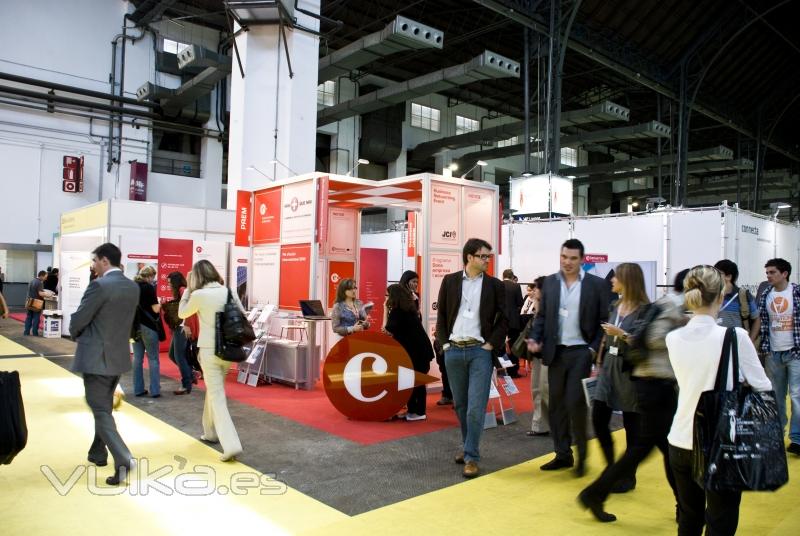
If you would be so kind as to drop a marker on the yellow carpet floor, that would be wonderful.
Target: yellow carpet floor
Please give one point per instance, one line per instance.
(183, 489)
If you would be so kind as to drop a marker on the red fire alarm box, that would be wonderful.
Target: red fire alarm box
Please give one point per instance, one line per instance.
(72, 174)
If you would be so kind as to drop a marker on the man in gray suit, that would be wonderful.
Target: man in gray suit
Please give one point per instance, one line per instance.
(102, 326)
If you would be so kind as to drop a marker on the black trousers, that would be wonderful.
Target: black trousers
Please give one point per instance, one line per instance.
(601, 419)
(657, 400)
(416, 403)
(718, 510)
(567, 402)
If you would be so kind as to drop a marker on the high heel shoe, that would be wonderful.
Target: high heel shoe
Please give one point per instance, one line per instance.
(121, 473)
(596, 507)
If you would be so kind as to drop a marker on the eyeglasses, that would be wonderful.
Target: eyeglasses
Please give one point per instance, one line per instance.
(483, 257)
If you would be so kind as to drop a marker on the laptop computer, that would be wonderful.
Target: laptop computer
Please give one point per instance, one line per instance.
(312, 310)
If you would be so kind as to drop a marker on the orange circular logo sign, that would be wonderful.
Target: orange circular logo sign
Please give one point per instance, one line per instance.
(369, 376)
(779, 305)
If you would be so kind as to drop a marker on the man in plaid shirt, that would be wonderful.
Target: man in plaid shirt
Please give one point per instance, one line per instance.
(779, 308)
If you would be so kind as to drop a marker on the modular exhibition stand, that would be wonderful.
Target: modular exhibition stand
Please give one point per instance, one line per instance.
(167, 237)
(305, 235)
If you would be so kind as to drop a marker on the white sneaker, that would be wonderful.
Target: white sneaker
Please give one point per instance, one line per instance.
(415, 417)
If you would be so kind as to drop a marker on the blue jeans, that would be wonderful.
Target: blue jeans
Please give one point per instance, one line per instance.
(784, 373)
(32, 323)
(469, 371)
(178, 350)
(149, 342)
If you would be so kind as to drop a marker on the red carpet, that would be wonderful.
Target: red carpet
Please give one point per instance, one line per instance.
(312, 408)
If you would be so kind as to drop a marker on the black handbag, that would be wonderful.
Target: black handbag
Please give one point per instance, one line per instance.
(738, 439)
(232, 331)
(13, 427)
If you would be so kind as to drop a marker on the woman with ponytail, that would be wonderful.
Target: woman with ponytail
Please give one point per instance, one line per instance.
(694, 352)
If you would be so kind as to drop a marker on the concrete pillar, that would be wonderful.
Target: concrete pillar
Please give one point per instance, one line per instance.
(273, 116)
(344, 144)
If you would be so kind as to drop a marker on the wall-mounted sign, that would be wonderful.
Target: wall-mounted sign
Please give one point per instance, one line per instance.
(244, 217)
(445, 215)
(267, 216)
(297, 213)
(138, 185)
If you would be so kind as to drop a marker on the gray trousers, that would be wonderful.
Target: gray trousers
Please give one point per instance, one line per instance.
(100, 397)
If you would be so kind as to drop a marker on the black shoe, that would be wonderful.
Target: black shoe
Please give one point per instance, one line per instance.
(143, 393)
(793, 448)
(156, 396)
(557, 463)
(624, 486)
(121, 474)
(531, 433)
(444, 401)
(98, 463)
(587, 501)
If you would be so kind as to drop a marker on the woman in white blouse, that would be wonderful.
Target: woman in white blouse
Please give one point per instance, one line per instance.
(206, 295)
(694, 352)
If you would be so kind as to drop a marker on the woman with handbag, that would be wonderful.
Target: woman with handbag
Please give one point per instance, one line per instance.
(694, 351)
(656, 399)
(615, 389)
(540, 391)
(147, 338)
(206, 296)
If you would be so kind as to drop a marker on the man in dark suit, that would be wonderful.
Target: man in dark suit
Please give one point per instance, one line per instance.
(102, 326)
(514, 301)
(471, 327)
(567, 332)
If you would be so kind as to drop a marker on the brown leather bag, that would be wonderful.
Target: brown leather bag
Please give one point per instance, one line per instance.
(34, 304)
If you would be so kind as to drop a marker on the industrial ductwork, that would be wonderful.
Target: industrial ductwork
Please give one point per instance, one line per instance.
(183, 101)
(652, 129)
(487, 65)
(398, 36)
(744, 164)
(713, 153)
(602, 112)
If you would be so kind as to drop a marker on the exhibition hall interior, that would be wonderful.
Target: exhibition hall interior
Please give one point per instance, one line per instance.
(372, 266)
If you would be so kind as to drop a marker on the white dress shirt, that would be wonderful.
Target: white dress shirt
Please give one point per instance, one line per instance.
(694, 351)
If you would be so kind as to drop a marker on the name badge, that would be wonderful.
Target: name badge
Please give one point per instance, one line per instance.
(563, 312)
(613, 350)
(469, 314)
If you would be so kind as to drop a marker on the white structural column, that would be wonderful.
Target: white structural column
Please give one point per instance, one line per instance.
(273, 116)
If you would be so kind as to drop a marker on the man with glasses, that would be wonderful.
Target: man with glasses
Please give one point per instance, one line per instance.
(566, 330)
(102, 326)
(471, 328)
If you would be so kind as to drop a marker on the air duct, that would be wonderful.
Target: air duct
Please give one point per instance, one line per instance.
(602, 112)
(487, 65)
(398, 36)
(713, 153)
(744, 164)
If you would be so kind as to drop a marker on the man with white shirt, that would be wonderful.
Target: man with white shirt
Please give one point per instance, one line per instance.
(101, 326)
(471, 327)
(779, 307)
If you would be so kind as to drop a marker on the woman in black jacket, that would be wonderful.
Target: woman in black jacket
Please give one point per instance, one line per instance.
(404, 324)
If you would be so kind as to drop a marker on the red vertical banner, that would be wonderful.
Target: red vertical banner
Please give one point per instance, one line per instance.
(267, 216)
(295, 275)
(322, 210)
(372, 283)
(174, 255)
(490, 268)
(411, 249)
(244, 217)
(138, 186)
(338, 270)
(418, 269)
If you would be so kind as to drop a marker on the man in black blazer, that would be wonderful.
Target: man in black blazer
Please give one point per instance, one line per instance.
(514, 301)
(471, 327)
(567, 332)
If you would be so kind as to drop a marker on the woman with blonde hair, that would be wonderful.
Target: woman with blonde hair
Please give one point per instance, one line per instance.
(694, 351)
(146, 334)
(206, 296)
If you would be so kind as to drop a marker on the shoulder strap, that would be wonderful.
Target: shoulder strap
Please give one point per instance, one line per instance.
(744, 304)
(230, 296)
(729, 346)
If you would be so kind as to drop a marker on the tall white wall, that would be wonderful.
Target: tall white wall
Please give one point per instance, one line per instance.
(70, 43)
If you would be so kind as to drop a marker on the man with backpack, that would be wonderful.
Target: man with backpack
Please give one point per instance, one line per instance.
(739, 308)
